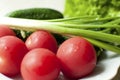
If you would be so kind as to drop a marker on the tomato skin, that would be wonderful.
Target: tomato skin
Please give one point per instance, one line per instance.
(77, 57)
(40, 64)
(41, 39)
(5, 30)
(12, 51)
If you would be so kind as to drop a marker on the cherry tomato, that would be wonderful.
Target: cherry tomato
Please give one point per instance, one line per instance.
(77, 57)
(12, 51)
(41, 39)
(40, 64)
(5, 30)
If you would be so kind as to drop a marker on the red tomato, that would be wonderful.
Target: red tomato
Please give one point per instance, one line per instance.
(5, 30)
(12, 51)
(40, 64)
(41, 39)
(77, 57)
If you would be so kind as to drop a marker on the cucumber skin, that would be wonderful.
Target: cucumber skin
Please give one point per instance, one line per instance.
(36, 13)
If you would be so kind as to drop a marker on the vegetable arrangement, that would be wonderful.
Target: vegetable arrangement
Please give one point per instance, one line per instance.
(44, 58)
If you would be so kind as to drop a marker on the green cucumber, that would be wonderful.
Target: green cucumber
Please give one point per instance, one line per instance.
(36, 13)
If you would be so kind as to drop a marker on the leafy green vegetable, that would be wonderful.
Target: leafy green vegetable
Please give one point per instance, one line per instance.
(101, 8)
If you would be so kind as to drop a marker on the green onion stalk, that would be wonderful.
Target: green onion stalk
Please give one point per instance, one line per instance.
(75, 26)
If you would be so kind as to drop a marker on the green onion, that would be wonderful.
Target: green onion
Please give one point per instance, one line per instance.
(104, 45)
(67, 27)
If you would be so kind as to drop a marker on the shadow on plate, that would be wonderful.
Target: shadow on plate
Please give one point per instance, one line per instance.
(98, 70)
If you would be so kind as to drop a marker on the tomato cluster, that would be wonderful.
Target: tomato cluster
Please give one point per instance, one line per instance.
(40, 58)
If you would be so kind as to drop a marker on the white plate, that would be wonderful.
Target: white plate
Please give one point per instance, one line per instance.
(106, 69)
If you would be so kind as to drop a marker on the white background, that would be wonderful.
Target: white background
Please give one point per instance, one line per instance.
(9, 5)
